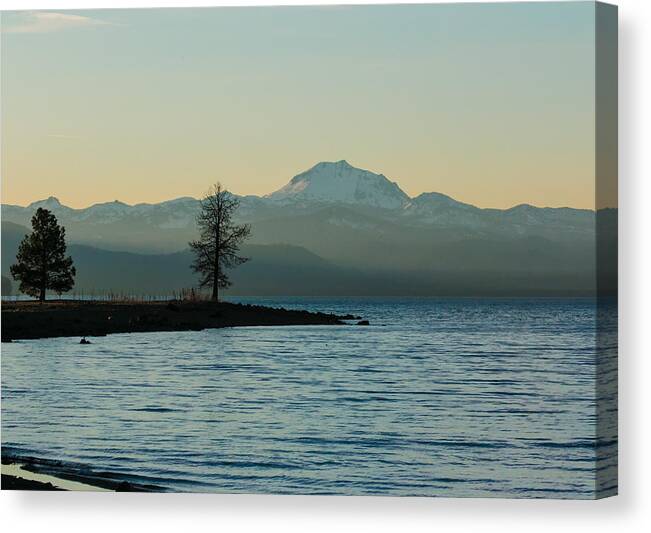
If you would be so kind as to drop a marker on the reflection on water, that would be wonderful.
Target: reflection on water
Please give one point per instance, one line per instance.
(438, 397)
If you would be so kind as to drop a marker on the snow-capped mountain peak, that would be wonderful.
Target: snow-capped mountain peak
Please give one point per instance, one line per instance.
(341, 182)
(49, 203)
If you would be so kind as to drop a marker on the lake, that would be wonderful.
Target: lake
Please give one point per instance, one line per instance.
(437, 397)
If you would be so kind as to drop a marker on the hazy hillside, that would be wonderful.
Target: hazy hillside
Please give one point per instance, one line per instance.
(290, 270)
(273, 270)
(7, 286)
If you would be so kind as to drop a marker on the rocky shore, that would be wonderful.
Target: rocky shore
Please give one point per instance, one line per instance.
(67, 318)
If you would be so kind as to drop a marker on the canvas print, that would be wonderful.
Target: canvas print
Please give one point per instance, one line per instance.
(336, 250)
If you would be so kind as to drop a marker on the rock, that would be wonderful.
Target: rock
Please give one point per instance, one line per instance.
(363, 323)
(125, 486)
(84, 341)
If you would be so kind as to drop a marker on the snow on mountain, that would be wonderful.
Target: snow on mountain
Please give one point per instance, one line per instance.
(178, 213)
(432, 202)
(103, 213)
(338, 193)
(52, 203)
(341, 182)
(437, 208)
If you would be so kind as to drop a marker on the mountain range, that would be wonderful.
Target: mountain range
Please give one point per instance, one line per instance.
(362, 234)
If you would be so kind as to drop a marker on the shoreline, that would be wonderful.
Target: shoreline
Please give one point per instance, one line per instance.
(23, 320)
(31, 473)
(15, 477)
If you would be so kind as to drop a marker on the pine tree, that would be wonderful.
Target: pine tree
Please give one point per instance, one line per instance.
(220, 239)
(42, 264)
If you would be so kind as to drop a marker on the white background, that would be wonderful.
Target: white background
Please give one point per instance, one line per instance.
(630, 511)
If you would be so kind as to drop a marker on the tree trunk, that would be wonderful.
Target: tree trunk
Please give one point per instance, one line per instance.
(215, 279)
(41, 296)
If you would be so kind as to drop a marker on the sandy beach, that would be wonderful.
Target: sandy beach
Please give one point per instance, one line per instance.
(15, 477)
(31, 473)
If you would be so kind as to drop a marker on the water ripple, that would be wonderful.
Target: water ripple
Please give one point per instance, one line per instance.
(447, 397)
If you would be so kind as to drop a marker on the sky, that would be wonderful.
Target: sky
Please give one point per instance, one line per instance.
(491, 104)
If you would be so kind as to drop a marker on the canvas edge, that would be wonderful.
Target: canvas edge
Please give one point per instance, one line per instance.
(606, 210)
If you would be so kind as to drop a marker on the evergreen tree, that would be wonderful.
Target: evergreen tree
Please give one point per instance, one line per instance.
(42, 264)
(219, 241)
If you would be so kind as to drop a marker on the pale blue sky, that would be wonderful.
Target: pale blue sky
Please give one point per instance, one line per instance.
(490, 103)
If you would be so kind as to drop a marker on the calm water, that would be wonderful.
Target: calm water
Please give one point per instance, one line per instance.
(438, 397)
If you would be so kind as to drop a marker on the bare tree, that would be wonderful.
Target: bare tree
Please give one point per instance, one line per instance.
(219, 241)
